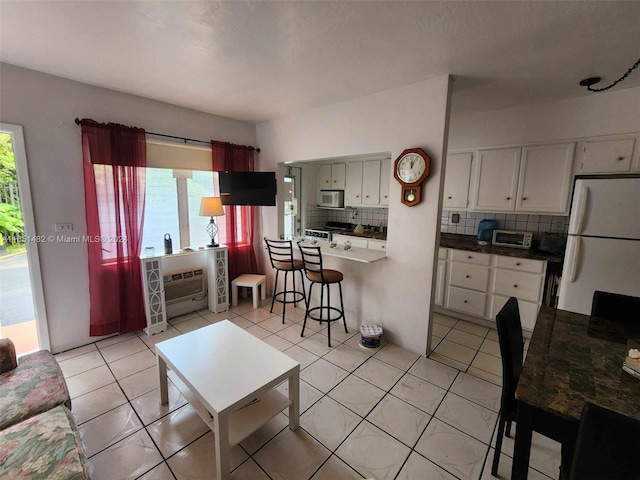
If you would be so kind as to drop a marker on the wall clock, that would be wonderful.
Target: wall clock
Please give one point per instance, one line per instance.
(411, 169)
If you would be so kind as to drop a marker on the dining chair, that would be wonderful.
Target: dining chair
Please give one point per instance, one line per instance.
(607, 446)
(615, 307)
(512, 353)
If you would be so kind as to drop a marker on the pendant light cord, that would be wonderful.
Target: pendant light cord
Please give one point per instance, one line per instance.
(633, 67)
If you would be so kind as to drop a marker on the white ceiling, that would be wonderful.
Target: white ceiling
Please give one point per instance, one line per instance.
(261, 60)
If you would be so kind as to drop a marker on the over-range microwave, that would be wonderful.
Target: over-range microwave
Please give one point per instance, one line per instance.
(331, 198)
(509, 238)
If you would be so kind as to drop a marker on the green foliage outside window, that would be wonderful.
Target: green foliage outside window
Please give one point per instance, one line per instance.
(11, 224)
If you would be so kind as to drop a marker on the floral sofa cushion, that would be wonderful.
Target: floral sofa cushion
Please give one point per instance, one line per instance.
(46, 446)
(35, 386)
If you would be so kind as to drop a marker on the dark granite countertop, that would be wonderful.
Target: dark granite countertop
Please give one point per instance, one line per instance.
(573, 359)
(468, 242)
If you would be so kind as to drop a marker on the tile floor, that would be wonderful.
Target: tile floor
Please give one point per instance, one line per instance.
(385, 413)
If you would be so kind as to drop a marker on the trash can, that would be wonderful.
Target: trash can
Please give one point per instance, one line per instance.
(370, 335)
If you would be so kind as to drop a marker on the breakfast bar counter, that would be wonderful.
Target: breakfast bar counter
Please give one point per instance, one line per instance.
(356, 254)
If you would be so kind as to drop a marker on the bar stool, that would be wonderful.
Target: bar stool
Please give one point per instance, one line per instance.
(281, 257)
(312, 260)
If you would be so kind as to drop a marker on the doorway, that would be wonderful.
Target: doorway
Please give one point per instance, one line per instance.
(22, 312)
(292, 213)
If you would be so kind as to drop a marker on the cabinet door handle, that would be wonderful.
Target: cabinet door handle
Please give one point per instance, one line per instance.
(524, 198)
(449, 198)
(620, 158)
(467, 276)
(515, 286)
(464, 301)
(469, 256)
(367, 196)
(385, 196)
(508, 198)
(517, 264)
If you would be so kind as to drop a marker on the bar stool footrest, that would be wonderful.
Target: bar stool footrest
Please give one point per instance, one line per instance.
(298, 297)
(317, 317)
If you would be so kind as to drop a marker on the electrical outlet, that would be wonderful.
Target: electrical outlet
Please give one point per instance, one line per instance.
(63, 227)
(455, 218)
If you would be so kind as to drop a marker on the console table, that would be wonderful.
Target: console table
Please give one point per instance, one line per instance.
(153, 270)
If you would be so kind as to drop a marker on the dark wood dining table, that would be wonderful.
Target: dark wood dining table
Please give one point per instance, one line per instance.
(572, 359)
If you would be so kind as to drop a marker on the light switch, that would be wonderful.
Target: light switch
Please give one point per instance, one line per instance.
(63, 227)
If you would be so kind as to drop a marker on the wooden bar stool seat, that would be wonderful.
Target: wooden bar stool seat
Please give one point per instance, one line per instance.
(316, 274)
(281, 257)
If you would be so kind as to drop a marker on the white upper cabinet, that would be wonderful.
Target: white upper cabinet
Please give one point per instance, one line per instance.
(545, 178)
(497, 180)
(331, 176)
(605, 156)
(385, 179)
(456, 181)
(324, 177)
(338, 176)
(371, 182)
(353, 184)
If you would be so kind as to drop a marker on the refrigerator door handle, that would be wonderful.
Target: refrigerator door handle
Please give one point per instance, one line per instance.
(575, 259)
(583, 195)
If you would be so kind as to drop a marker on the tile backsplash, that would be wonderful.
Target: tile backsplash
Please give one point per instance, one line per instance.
(318, 217)
(537, 224)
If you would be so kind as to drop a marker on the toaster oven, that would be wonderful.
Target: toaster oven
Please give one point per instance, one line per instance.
(513, 239)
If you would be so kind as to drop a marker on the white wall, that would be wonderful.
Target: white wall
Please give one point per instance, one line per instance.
(606, 113)
(395, 292)
(46, 107)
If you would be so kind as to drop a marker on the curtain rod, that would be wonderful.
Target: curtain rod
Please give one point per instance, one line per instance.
(184, 139)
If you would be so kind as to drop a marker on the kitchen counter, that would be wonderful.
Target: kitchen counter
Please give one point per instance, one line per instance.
(468, 242)
(362, 255)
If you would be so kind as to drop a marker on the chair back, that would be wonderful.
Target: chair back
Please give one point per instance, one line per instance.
(607, 446)
(280, 253)
(616, 307)
(312, 260)
(511, 350)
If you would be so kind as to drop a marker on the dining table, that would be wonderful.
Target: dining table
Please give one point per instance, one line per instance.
(572, 359)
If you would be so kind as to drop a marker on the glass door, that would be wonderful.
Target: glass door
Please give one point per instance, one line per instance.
(292, 213)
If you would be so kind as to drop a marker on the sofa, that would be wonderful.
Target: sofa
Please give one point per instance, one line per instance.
(38, 435)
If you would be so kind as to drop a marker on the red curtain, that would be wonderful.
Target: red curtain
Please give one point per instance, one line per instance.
(235, 229)
(114, 189)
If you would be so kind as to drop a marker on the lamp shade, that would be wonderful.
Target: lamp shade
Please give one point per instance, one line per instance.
(211, 207)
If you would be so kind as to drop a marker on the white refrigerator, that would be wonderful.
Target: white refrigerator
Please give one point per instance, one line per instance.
(603, 247)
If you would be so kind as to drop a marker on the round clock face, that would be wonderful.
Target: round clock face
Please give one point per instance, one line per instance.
(411, 167)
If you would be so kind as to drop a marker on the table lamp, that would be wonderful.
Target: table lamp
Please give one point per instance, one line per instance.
(211, 207)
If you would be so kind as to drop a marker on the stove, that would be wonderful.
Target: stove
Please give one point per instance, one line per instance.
(324, 233)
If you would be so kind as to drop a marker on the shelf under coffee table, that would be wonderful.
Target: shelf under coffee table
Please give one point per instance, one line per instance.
(229, 377)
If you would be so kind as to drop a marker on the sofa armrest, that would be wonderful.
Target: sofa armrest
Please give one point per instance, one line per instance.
(8, 359)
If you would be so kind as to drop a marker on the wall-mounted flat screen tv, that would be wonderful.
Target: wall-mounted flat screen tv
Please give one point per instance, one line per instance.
(248, 188)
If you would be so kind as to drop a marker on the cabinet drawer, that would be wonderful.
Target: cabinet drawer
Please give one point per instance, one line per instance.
(465, 275)
(466, 301)
(377, 245)
(528, 310)
(606, 156)
(355, 241)
(524, 286)
(470, 257)
(442, 254)
(520, 264)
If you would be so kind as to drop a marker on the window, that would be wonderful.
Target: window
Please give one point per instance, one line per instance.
(173, 207)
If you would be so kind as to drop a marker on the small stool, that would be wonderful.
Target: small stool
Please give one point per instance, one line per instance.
(312, 260)
(248, 280)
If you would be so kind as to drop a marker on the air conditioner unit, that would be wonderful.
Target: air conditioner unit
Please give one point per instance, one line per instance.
(184, 285)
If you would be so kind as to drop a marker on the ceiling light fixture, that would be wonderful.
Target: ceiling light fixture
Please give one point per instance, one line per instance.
(588, 82)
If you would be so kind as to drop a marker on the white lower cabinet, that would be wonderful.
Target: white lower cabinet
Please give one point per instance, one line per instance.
(377, 245)
(479, 284)
(466, 301)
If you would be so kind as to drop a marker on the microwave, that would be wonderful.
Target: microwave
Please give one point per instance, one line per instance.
(331, 198)
(509, 238)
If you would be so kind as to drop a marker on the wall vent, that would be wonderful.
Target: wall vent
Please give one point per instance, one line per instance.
(183, 285)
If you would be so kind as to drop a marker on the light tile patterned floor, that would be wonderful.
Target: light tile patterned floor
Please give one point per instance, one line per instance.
(382, 413)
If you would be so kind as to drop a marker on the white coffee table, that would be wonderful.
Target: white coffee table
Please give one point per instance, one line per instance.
(228, 376)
